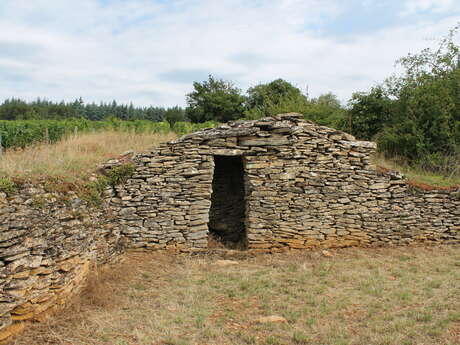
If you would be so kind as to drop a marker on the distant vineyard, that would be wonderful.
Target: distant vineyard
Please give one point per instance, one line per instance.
(21, 133)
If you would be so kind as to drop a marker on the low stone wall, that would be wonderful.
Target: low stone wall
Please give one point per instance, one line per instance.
(338, 209)
(48, 241)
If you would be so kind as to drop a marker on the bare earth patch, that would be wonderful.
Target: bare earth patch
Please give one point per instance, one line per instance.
(352, 296)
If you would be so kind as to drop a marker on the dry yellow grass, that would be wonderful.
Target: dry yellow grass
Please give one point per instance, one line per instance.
(357, 296)
(417, 175)
(75, 156)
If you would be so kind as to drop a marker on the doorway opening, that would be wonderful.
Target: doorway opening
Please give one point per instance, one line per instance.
(227, 212)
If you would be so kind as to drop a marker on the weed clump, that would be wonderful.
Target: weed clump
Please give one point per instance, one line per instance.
(120, 174)
(7, 186)
(93, 190)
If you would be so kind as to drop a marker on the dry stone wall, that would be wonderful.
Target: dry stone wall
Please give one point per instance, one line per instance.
(48, 242)
(305, 185)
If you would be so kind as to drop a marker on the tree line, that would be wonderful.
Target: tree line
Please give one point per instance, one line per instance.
(212, 100)
(42, 109)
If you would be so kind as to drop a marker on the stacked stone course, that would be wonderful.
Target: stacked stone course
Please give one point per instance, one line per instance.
(48, 242)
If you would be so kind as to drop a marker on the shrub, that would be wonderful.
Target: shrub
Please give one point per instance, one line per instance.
(117, 175)
(416, 115)
(7, 186)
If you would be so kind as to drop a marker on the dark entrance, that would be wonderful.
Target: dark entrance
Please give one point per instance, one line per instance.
(226, 216)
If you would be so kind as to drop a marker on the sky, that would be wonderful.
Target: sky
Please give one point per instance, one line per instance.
(150, 52)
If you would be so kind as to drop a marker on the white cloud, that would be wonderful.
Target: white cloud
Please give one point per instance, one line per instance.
(437, 6)
(146, 51)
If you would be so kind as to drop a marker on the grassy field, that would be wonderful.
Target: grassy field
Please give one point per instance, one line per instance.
(353, 296)
(75, 157)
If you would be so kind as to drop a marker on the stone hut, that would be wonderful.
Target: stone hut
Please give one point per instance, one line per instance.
(275, 183)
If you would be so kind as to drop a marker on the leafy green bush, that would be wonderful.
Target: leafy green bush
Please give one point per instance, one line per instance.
(115, 176)
(276, 97)
(416, 115)
(214, 100)
(279, 96)
(120, 174)
(270, 107)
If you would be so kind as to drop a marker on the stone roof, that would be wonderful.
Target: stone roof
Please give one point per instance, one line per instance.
(279, 130)
(272, 131)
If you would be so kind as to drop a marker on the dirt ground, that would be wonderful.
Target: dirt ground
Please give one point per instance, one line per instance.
(349, 296)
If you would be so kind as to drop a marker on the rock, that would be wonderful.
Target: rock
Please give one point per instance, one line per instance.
(263, 141)
(364, 144)
(6, 308)
(326, 253)
(2, 198)
(9, 329)
(378, 186)
(271, 319)
(224, 263)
